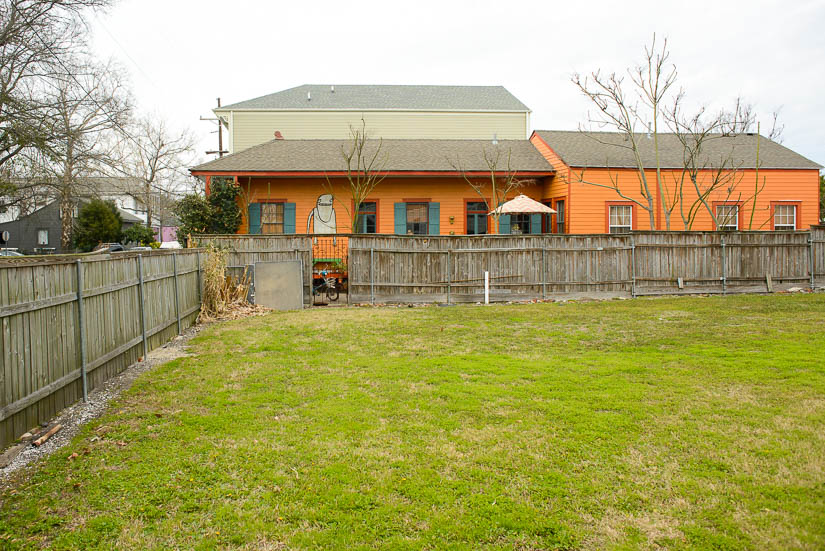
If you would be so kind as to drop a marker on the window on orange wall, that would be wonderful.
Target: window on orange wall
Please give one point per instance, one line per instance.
(417, 218)
(272, 218)
(620, 218)
(367, 216)
(784, 217)
(476, 218)
(560, 214)
(727, 217)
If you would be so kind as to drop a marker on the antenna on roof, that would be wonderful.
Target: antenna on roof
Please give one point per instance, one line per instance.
(332, 88)
(309, 96)
(495, 139)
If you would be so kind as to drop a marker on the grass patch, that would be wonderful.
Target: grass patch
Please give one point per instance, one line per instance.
(669, 423)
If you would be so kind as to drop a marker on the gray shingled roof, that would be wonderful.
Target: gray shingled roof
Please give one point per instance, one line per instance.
(402, 155)
(604, 149)
(383, 97)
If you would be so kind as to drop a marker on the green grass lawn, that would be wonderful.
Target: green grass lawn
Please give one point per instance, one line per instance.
(677, 423)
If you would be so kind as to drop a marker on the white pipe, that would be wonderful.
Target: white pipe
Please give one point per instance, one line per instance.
(486, 287)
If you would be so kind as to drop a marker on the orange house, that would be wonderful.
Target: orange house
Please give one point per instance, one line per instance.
(301, 186)
(598, 180)
(590, 179)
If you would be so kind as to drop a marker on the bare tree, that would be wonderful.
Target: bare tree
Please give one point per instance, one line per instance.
(37, 38)
(364, 161)
(500, 179)
(635, 111)
(154, 160)
(88, 107)
(628, 113)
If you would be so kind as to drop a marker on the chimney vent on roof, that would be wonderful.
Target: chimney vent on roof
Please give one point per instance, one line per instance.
(332, 89)
(278, 135)
(495, 139)
(309, 96)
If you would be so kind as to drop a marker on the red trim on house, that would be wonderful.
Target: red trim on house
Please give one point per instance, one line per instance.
(268, 200)
(316, 173)
(797, 222)
(633, 217)
(740, 215)
(377, 212)
(417, 200)
(208, 183)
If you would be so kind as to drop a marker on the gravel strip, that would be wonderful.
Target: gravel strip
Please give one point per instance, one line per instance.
(76, 415)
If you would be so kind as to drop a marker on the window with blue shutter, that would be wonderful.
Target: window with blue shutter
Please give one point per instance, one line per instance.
(435, 219)
(289, 217)
(535, 223)
(401, 218)
(254, 216)
(504, 224)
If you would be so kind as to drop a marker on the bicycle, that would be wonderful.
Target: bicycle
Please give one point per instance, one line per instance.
(328, 285)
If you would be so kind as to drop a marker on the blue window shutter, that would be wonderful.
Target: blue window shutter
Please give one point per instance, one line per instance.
(254, 215)
(289, 217)
(535, 223)
(401, 218)
(435, 219)
(504, 224)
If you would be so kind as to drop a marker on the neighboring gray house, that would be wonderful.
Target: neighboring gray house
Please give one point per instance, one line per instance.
(39, 232)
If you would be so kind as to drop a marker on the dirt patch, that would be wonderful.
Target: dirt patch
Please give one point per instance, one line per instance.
(80, 413)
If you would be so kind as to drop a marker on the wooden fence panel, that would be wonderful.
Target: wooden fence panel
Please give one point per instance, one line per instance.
(388, 268)
(40, 333)
(246, 250)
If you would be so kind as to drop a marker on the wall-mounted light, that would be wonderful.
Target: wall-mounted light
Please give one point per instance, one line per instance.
(452, 219)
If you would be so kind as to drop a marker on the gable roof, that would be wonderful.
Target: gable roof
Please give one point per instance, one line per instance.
(386, 97)
(609, 149)
(402, 156)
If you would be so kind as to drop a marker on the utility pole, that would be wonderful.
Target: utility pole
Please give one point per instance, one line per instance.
(220, 151)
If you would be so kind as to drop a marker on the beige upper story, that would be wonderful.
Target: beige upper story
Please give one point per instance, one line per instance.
(390, 112)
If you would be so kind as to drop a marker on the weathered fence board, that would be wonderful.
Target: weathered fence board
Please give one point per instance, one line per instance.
(40, 336)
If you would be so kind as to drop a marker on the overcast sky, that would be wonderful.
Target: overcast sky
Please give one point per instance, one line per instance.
(181, 55)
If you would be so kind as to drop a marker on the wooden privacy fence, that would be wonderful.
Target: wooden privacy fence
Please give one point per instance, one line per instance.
(387, 268)
(71, 323)
(245, 250)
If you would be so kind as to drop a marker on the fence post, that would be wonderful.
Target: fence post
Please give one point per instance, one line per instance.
(486, 287)
(543, 270)
(632, 266)
(81, 325)
(142, 307)
(372, 279)
(177, 304)
(200, 291)
(811, 257)
(724, 267)
(449, 276)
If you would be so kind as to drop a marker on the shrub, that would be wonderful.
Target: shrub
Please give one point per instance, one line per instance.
(218, 213)
(139, 234)
(97, 222)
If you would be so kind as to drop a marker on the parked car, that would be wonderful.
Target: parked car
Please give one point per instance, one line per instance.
(7, 252)
(108, 248)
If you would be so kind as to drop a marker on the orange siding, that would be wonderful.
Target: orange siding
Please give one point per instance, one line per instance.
(450, 193)
(586, 202)
(557, 187)
(588, 214)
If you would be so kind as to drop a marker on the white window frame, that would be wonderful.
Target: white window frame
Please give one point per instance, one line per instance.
(785, 227)
(610, 225)
(40, 233)
(728, 227)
